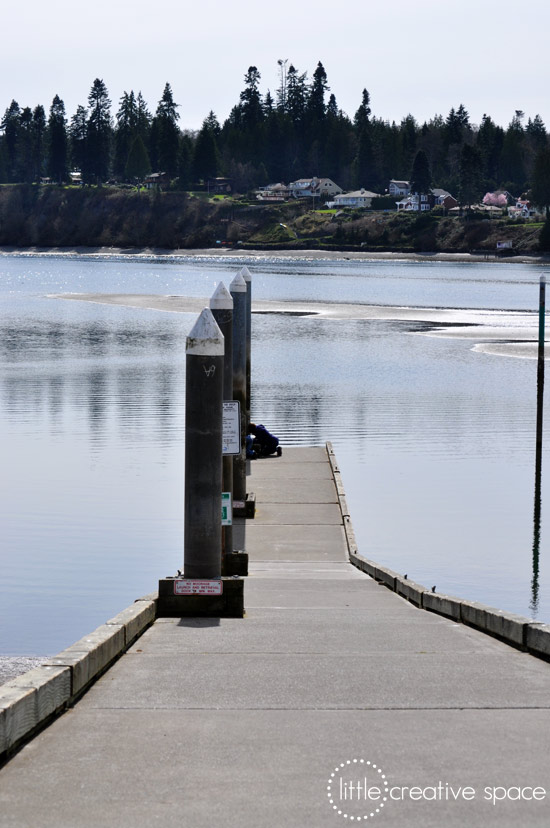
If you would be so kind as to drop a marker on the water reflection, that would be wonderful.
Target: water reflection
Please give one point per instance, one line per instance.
(434, 441)
(46, 341)
(534, 605)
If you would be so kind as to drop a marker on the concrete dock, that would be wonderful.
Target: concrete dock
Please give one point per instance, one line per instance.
(333, 701)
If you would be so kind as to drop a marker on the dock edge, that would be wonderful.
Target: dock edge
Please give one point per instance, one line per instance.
(516, 630)
(29, 702)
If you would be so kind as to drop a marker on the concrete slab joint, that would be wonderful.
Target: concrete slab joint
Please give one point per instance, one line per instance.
(30, 700)
(88, 657)
(135, 619)
(537, 639)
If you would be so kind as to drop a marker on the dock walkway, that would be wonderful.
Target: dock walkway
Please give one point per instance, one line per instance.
(259, 721)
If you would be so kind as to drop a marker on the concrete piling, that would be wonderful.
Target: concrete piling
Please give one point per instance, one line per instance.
(203, 448)
(538, 449)
(247, 276)
(238, 292)
(221, 305)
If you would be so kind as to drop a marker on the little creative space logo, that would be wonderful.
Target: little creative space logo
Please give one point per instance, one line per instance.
(357, 790)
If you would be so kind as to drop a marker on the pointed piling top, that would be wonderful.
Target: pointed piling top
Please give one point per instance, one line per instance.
(205, 338)
(246, 274)
(221, 298)
(238, 285)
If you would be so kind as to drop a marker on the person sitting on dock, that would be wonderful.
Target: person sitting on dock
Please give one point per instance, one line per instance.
(261, 443)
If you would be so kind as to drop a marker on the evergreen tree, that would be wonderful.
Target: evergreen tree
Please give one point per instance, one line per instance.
(212, 123)
(536, 139)
(339, 146)
(4, 162)
(125, 132)
(364, 167)
(540, 190)
(489, 141)
(296, 95)
(408, 134)
(185, 162)
(250, 100)
(165, 134)
(78, 131)
(512, 159)
(469, 188)
(456, 121)
(536, 131)
(56, 156)
(362, 116)
(39, 142)
(98, 134)
(143, 118)
(206, 155)
(431, 140)
(316, 107)
(421, 176)
(25, 146)
(269, 104)
(137, 164)
(11, 126)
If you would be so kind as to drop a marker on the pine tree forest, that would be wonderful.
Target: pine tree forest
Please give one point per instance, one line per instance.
(298, 132)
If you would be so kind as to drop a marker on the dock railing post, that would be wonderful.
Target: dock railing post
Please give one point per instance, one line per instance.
(203, 449)
(538, 449)
(237, 289)
(247, 276)
(540, 365)
(221, 305)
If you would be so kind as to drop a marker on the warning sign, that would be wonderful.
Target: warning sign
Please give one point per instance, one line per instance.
(197, 586)
(231, 427)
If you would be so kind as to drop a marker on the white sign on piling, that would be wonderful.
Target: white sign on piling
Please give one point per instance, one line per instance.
(227, 511)
(231, 440)
(197, 586)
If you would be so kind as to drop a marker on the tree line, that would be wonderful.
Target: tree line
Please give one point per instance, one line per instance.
(300, 131)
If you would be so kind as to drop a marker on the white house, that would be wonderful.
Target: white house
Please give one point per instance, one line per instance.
(273, 192)
(522, 209)
(313, 188)
(359, 198)
(399, 188)
(410, 203)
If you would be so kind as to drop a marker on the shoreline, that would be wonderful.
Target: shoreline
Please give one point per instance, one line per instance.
(259, 253)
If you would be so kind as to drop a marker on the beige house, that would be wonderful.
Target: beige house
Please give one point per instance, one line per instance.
(358, 199)
(313, 188)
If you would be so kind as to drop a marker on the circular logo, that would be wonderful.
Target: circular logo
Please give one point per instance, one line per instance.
(357, 790)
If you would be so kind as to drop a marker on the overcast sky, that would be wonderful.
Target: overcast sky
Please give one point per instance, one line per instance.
(421, 57)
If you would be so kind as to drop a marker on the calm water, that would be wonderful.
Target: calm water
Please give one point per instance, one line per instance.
(436, 442)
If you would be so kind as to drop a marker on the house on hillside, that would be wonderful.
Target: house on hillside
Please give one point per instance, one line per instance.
(219, 186)
(313, 188)
(358, 199)
(522, 209)
(157, 180)
(413, 204)
(436, 197)
(444, 199)
(273, 192)
(399, 188)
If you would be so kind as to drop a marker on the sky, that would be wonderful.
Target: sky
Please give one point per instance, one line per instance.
(421, 57)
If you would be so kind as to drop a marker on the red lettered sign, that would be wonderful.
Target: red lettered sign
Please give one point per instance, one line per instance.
(197, 586)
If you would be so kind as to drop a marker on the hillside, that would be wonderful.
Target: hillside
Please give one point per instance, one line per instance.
(50, 216)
